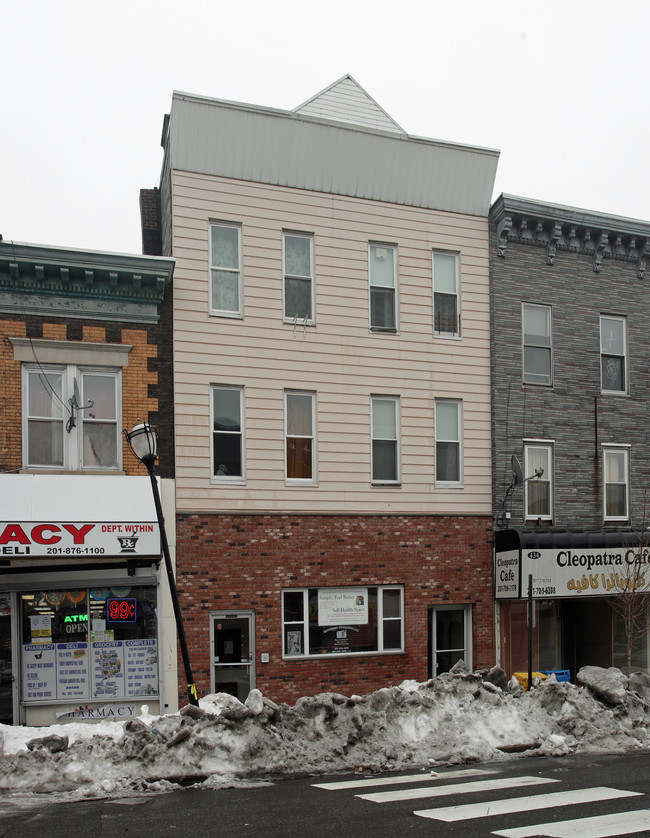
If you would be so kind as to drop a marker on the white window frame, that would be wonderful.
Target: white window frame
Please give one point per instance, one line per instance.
(531, 377)
(376, 248)
(618, 450)
(439, 439)
(438, 332)
(226, 478)
(623, 356)
(395, 401)
(303, 625)
(300, 481)
(72, 418)
(531, 446)
(295, 318)
(238, 311)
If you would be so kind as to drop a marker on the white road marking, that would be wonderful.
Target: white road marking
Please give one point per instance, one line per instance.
(523, 804)
(620, 823)
(369, 782)
(454, 788)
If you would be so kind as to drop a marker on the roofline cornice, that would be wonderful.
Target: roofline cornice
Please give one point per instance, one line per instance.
(557, 227)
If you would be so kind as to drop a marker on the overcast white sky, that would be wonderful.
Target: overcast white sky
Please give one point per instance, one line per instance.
(560, 88)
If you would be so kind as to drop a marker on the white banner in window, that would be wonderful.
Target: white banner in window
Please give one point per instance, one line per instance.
(342, 606)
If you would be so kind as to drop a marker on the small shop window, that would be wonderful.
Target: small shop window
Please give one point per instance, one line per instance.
(100, 643)
(354, 620)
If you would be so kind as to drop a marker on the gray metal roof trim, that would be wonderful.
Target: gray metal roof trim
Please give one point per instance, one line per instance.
(558, 538)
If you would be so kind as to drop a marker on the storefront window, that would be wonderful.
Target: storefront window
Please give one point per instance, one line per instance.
(325, 621)
(546, 635)
(100, 643)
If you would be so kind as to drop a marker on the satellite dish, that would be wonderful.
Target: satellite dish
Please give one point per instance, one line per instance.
(517, 471)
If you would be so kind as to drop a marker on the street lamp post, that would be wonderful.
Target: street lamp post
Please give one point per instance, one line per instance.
(143, 442)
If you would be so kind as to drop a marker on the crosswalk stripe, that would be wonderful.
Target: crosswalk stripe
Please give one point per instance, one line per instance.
(369, 782)
(604, 826)
(454, 788)
(523, 804)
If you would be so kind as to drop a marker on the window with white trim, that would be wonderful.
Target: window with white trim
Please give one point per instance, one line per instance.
(227, 434)
(613, 367)
(225, 270)
(385, 422)
(71, 418)
(538, 491)
(616, 490)
(348, 620)
(446, 294)
(382, 270)
(449, 442)
(536, 339)
(298, 270)
(300, 437)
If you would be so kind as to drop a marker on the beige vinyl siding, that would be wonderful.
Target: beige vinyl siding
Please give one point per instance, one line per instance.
(339, 358)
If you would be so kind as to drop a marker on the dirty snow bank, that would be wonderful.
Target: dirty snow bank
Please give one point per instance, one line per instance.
(455, 718)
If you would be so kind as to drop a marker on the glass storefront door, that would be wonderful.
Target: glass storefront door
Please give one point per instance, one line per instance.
(6, 671)
(451, 634)
(232, 640)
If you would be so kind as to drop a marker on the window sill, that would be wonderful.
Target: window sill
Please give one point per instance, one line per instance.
(229, 315)
(383, 330)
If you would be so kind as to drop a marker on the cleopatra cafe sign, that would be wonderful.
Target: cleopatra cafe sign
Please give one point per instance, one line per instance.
(568, 572)
(78, 539)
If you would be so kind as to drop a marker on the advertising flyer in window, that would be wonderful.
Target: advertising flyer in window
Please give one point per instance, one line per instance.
(141, 663)
(72, 670)
(39, 671)
(342, 606)
(108, 669)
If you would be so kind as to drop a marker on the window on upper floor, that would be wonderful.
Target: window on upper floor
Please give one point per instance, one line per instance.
(536, 333)
(538, 491)
(225, 270)
(613, 368)
(616, 482)
(300, 446)
(338, 621)
(382, 269)
(449, 442)
(446, 294)
(71, 417)
(385, 439)
(228, 434)
(298, 268)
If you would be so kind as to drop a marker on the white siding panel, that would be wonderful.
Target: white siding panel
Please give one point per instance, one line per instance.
(339, 358)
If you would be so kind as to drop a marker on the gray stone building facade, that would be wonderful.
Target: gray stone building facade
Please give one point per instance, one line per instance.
(570, 308)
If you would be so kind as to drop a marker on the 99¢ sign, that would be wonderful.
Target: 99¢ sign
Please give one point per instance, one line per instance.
(121, 611)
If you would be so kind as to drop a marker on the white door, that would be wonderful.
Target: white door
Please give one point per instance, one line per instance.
(232, 640)
(451, 632)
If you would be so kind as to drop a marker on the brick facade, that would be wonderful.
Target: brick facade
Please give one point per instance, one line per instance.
(231, 562)
(141, 386)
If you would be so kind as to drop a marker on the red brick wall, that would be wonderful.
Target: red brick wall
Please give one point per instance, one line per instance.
(244, 561)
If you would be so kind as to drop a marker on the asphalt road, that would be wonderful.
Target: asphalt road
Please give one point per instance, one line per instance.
(595, 793)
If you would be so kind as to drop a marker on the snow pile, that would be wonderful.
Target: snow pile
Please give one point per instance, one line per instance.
(455, 718)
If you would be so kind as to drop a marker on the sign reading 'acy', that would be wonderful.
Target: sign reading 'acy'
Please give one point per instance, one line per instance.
(20, 538)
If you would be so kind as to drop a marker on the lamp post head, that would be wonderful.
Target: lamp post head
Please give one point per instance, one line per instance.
(143, 442)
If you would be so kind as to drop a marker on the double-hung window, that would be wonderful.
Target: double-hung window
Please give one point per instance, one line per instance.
(71, 417)
(616, 482)
(227, 434)
(613, 373)
(385, 439)
(352, 620)
(300, 437)
(382, 259)
(446, 294)
(449, 442)
(536, 333)
(298, 266)
(538, 491)
(225, 270)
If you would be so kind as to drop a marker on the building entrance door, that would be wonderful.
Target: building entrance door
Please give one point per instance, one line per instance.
(6, 670)
(451, 633)
(232, 640)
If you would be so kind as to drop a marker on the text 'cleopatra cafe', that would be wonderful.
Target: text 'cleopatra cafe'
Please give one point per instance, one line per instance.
(85, 612)
(573, 576)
